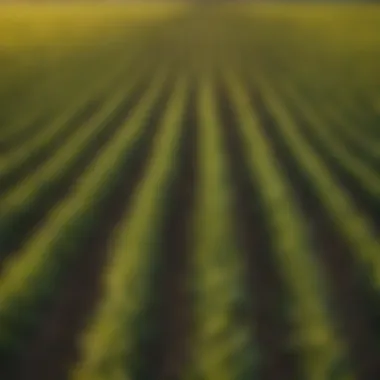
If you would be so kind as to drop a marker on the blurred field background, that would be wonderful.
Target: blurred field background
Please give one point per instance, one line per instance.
(190, 191)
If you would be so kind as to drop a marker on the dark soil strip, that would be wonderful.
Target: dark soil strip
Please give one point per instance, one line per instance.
(53, 350)
(357, 313)
(37, 157)
(272, 331)
(19, 229)
(362, 198)
(165, 354)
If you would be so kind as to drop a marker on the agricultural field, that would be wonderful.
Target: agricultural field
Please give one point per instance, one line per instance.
(190, 192)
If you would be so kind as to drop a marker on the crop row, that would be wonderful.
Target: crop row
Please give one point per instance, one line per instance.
(223, 343)
(25, 197)
(29, 279)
